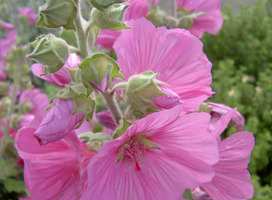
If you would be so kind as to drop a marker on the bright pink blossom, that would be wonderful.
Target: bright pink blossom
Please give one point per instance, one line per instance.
(158, 157)
(29, 13)
(175, 54)
(169, 101)
(105, 119)
(60, 77)
(53, 171)
(136, 10)
(210, 22)
(7, 26)
(58, 121)
(38, 102)
(232, 179)
(5, 45)
(237, 120)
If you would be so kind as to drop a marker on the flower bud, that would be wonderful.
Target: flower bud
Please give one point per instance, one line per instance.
(99, 71)
(58, 122)
(166, 102)
(146, 94)
(57, 13)
(105, 119)
(111, 18)
(51, 52)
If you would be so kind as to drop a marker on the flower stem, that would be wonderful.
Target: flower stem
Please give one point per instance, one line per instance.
(80, 33)
(173, 8)
(113, 107)
(16, 73)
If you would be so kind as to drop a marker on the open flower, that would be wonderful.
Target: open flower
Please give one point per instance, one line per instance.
(232, 179)
(211, 20)
(158, 157)
(53, 171)
(175, 54)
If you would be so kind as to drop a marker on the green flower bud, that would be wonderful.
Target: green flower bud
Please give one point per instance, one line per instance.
(57, 13)
(102, 4)
(157, 17)
(99, 71)
(51, 52)
(110, 18)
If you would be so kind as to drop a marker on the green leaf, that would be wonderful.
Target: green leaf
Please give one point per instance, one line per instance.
(122, 130)
(84, 104)
(13, 185)
(187, 194)
(102, 4)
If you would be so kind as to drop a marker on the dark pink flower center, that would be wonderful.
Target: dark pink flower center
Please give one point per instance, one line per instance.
(132, 152)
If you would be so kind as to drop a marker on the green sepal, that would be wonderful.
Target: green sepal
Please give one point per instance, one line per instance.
(148, 143)
(141, 89)
(111, 18)
(13, 185)
(187, 194)
(96, 68)
(102, 4)
(84, 104)
(122, 130)
(75, 75)
(58, 13)
(50, 51)
(205, 108)
(69, 36)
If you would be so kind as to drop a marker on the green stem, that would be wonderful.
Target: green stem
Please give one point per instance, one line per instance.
(16, 73)
(113, 107)
(81, 36)
(173, 8)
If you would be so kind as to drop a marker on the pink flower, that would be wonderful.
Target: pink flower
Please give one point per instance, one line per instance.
(136, 10)
(105, 119)
(158, 157)
(38, 103)
(232, 179)
(53, 171)
(175, 54)
(57, 122)
(237, 120)
(60, 77)
(169, 101)
(5, 45)
(154, 2)
(29, 13)
(210, 22)
(7, 26)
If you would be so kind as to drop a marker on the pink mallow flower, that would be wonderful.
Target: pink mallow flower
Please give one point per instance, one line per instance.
(29, 13)
(58, 121)
(136, 10)
(60, 77)
(158, 157)
(6, 26)
(232, 179)
(212, 19)
(53, 171)
(218, 110)
(175, 54)
(5, 45)
(38, 102)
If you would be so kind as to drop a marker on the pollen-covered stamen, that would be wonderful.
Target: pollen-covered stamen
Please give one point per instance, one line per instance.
(132, 152)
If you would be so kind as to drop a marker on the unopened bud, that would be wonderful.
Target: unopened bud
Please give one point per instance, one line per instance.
(51, 52)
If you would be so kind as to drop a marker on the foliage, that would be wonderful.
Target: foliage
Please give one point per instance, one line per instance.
(242, 71)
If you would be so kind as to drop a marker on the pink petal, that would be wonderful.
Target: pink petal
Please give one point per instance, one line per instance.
(176, 55)
(52, 171)
(58, 122)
